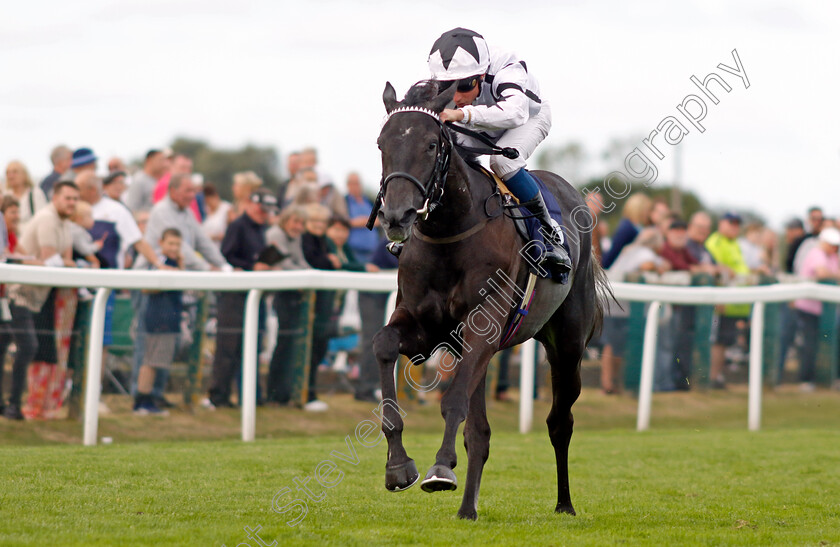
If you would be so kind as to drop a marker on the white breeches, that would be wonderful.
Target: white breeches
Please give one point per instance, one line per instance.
(524, 138)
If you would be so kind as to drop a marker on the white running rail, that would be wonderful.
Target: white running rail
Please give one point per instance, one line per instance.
(258, 282)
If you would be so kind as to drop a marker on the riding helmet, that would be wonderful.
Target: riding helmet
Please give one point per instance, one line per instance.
(458, 54)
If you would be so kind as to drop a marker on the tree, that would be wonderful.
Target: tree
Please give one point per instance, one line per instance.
(566, 160)
(218, 165)
(691, 203)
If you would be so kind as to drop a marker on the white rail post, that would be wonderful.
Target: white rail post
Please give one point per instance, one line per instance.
(526, 385)
(648, 362)
(93, 378)
(250, 364)
(756, 358)
(390, 306)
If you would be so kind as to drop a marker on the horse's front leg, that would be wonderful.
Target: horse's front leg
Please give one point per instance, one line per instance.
(400, 470)
(469, 372)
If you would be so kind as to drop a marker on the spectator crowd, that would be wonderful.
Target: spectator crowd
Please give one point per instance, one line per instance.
(651, 239)
(162, 215)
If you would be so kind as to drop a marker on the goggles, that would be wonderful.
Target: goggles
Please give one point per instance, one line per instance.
(463, 86)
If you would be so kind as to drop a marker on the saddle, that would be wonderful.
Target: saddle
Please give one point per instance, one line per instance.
(509, 202)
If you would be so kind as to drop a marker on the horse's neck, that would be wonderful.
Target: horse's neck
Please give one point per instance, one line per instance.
(462, 204)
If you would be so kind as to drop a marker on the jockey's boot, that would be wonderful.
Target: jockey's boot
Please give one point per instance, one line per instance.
(395, 248)
(556, 256)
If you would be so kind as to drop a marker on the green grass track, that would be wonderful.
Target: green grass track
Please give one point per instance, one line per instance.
(666, 487)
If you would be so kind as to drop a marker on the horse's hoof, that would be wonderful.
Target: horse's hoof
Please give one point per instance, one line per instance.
(565, 509)
(467, 515)
(401, 477)
(438, 479)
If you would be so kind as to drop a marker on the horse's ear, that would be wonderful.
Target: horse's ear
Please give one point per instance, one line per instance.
(389, 97)
(443, 99)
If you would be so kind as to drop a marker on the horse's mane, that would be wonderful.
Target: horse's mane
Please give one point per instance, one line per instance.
(421, 93)
(470, 158)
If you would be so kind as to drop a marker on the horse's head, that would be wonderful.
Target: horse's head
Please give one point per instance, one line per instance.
(415, 156)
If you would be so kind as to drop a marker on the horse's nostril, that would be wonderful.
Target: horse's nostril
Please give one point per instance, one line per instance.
(395, 219)
(408, 216)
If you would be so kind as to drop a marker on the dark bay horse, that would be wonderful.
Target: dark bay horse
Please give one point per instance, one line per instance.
(460, 279)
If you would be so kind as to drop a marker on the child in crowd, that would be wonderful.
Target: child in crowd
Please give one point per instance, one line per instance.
(338, 234)
(163, 325)
(316, 253)
(83, 244)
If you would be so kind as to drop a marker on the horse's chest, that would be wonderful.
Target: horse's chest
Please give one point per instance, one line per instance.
(456, 305)
(442, 305)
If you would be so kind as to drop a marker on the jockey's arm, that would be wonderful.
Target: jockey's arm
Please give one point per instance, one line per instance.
(512, 110)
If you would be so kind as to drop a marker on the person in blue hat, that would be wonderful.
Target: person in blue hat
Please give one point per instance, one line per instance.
(83, 160)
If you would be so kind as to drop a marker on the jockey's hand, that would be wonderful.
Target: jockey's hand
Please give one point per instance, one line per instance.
(451, 115)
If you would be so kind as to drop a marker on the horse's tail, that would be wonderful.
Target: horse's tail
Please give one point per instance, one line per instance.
(603, 293)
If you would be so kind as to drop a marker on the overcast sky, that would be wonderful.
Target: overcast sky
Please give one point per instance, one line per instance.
(123, 77)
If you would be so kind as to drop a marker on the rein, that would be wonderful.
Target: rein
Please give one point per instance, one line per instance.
(493, 149)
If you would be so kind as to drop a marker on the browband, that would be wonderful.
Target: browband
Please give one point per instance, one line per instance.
(420, 109)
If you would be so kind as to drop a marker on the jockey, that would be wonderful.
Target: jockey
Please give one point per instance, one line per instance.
(497, 95)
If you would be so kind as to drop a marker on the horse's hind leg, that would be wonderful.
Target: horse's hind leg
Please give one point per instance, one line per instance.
(565, 386)
(400, 470)
(477, 443)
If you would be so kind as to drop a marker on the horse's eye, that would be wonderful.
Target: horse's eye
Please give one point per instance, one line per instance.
(432, 145)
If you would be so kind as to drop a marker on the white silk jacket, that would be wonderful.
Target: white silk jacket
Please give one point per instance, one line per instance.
(509, 96)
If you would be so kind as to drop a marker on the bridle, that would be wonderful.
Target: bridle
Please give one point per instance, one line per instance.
(432, 190)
